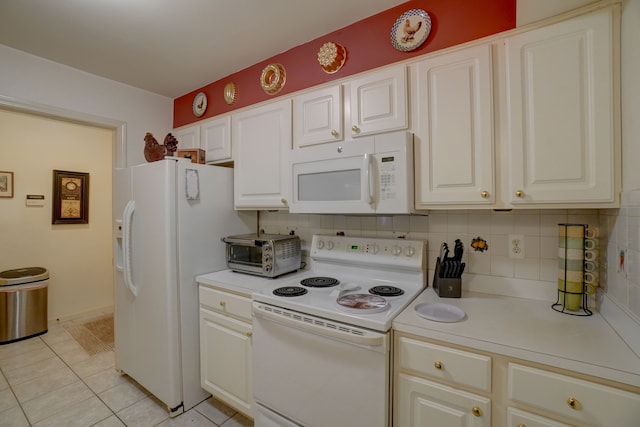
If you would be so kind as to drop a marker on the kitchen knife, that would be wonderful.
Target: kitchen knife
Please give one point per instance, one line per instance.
(458, 250)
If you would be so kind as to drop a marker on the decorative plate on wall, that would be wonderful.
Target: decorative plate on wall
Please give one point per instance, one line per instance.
(332, 57)
(411, 30)
(230, 93)
(273, 78)
(199, 104)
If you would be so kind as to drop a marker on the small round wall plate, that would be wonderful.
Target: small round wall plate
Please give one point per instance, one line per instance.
(273, 78)
(332, 57)
(410, 30)
(200, 104)
(230, 93)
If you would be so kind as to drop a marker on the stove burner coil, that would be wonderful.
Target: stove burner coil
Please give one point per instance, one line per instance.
(290, 291)
(386, 291)
(319, 282)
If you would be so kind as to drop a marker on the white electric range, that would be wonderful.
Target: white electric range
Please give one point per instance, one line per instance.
(321, 338)
(355, 280)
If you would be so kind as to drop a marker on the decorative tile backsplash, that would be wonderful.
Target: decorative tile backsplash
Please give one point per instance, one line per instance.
(621, 276)
(538, 230)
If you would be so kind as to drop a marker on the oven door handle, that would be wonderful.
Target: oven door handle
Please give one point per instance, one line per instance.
(318, 325)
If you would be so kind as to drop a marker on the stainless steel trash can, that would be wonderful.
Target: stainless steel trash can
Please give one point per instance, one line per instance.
(23, 303)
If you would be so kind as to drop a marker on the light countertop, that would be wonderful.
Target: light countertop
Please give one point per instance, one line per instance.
(530, 330)
(242, 283)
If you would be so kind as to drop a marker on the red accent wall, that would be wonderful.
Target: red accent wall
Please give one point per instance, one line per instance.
(368, 46)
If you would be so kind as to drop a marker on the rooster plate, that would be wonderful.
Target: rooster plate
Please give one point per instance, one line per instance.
(410, 30)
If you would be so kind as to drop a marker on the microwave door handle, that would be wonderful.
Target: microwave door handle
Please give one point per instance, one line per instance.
(368, 181)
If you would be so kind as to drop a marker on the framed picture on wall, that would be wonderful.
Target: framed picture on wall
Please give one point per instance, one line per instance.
(6, 184)
(70, 197)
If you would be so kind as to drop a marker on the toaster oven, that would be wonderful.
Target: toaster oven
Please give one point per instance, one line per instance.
(268, 255)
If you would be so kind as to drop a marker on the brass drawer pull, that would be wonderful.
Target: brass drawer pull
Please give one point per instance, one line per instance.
(438, 365)
(476, 411)
(574, 403)
(223, 303)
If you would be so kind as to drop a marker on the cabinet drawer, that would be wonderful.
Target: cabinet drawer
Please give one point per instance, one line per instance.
(518, 418)
(424, 403)
(584, 401)
(445, 363)
(225, 302)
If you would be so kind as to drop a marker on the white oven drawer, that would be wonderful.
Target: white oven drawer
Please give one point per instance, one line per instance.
(225, 302)
(583, 401)
(319, 380)
(457, 366)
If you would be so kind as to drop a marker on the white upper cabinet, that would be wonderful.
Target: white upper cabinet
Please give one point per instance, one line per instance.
(188, 137)
(561, 126)
(453, 121)
(215, 138)
(378, 101)
(262, 146)
(318, 117)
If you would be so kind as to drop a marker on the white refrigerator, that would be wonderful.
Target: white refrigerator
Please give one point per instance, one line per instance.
(169, 218)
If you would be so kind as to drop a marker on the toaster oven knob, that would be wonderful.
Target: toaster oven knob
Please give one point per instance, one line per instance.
(267, 258)
(267, 267)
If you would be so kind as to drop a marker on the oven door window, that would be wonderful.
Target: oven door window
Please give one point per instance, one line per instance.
(246, 255)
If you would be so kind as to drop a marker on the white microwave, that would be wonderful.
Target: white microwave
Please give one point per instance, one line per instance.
(369, 175)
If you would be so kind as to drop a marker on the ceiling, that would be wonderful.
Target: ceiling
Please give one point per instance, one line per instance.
(171, 47)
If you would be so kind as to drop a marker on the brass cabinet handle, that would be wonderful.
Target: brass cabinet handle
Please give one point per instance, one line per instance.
(476, 411)
(438, 365)
(222, 303)
(283, 201)
(519, 193)
(484, 194)
(522, 425)
(249, 334)
(573, 403)
(334, 132)
(355, 128)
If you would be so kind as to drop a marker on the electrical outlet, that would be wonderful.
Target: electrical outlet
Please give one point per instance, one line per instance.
(516, 246)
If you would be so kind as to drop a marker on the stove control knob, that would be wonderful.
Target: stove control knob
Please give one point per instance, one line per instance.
(330, 245)
(374, 249)
(409, 251)
(320, 244)
(396, 250)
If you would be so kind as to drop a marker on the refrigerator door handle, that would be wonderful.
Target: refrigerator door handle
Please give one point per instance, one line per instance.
(127, 219)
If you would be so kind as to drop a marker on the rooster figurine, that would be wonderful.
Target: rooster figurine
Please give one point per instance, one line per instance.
(154, 151)
(410, 31)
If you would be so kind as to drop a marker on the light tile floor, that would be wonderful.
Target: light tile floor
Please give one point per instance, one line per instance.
(51, 381)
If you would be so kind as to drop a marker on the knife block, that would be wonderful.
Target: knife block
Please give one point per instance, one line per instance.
(446, 288)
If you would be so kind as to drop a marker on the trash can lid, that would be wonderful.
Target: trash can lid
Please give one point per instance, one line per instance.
(23, 275)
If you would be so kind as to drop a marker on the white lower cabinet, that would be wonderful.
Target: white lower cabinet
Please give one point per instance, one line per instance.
(436, 384)
(519, 418)
(431, 382)
(423, 403)
(580, 401)
(226, 364)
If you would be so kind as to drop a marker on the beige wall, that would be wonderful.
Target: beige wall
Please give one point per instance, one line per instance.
(77, 256)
